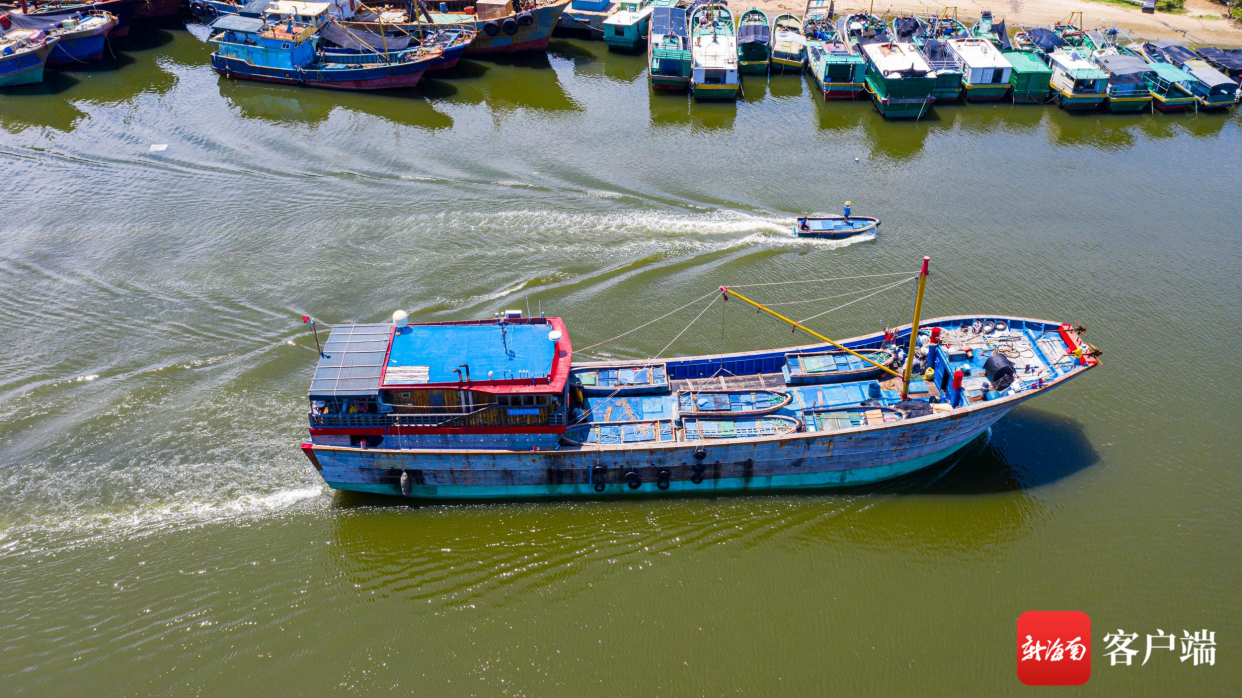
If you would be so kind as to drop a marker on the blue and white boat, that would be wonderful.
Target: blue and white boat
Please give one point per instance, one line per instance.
(80, 38)
(485, 409)
(834, 227)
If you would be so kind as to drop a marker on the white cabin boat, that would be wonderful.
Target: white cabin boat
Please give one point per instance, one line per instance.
(985, 70)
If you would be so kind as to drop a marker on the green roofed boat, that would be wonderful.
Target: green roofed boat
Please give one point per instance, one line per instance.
(839, 71)
(754, 42)
(668, 49)
(899, 79)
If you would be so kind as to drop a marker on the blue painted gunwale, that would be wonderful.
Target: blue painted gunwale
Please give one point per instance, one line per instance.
(840, 228)
(841, 458)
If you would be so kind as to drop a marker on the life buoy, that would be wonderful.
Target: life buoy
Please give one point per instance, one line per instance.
(633, 480)
(599, 476)
(510, 26)
(662, 478)
(525, 19)
(491, 29)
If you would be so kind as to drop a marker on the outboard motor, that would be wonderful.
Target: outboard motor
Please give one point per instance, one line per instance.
(999, 371)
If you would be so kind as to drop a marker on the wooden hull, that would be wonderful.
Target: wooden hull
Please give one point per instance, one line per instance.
(986, 93)
(842, 457)
(398, 76)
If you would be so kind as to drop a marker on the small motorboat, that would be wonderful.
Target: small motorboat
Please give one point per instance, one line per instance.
(640, 379)
(742, 428)
(835, 366)
(704, 403)
(834, 227)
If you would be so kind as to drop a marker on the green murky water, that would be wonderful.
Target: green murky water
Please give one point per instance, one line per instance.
(160, 533)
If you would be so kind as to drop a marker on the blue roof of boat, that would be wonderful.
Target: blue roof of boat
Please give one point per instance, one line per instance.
(237, 23)
(254, 8)
(493, 351)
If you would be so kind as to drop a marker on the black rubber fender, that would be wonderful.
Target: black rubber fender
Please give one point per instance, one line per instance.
(525, 19)
(599, 476)
(663, 478)
(633, 480)
(491, 29)
(509, 25)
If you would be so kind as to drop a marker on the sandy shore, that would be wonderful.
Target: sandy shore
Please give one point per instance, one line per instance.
(1199, 25)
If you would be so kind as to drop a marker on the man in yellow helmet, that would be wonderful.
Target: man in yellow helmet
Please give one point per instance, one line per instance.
(847, 212)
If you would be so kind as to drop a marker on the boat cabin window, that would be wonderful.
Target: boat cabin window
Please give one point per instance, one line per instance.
(618, 30)
(713, 77)
(1084, 86)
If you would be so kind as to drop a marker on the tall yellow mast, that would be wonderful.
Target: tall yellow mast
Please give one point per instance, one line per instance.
(914, 331)
(729, 292)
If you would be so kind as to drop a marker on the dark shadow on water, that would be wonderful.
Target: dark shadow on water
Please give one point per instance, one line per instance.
(464, 70)
(712, 116)
(142, 38)
(577, 52)
(284, 104)
(1027, 449)
(669, 108)
(785, 85)
(754, 89)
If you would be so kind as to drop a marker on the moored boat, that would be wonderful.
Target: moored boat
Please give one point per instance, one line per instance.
(713, 47)
(504, 26)
(668, 49)
(754, 42)
(1227, 61)
(1078, 83)
(288, 51)
(899, 79)
(1129, 79)
(79, 38)
(834, 227)
(1211, 88)
(122, 10)
(985, 71)
(988, 28)
(23, 55)
(935, 51)
(1030, 79)
(393, 410)
(627, 28)
(839, 71)
(788, 44)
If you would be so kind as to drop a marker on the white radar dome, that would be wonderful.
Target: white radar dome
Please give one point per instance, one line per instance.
(400, 319)
(554, 336)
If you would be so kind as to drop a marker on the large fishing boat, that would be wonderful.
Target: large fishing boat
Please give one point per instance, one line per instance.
(840, 72)
(899, 79)
(754, 41)
(1030, 78)
(503, 26)
(714, 50)
(288, 51)
(485, 409)
(23, 55)
(1212, 88)
(788, 44)
(668, 49)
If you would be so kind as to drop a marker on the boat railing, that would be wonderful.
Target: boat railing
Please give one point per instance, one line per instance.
(421, 419)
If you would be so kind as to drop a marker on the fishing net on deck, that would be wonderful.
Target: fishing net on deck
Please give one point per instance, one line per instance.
(908, 28)
(1045, 39)
(754, 34)
(362, 40)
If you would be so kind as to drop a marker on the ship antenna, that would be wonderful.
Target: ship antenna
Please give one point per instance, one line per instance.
(914, 330)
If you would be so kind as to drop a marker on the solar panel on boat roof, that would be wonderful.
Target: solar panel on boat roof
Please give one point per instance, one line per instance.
(353, 360)
(668, 20)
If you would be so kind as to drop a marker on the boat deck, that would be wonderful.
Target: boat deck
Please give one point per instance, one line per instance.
(829, 400)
